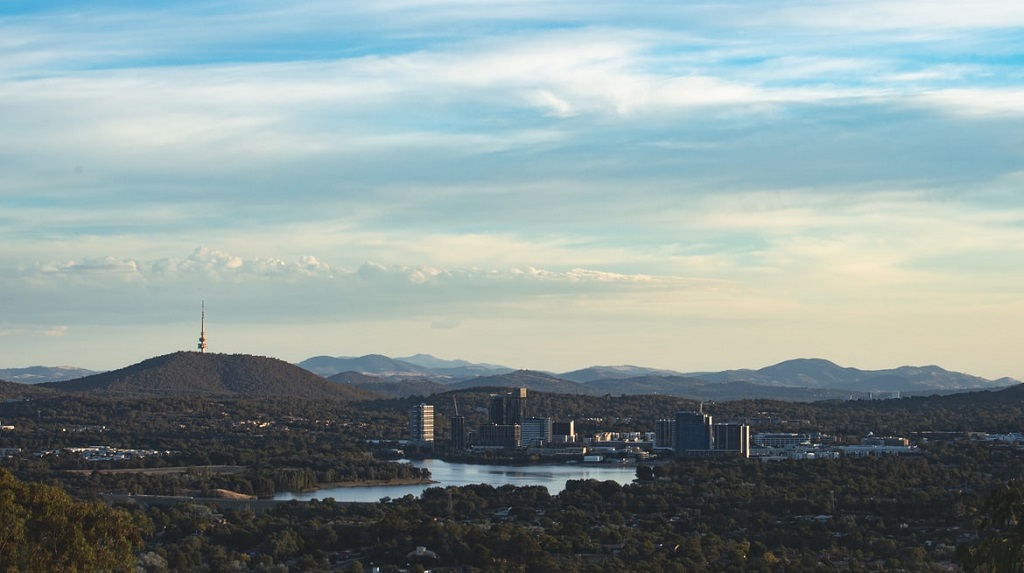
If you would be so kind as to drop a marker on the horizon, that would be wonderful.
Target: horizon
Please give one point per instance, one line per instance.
(516, 368)
(683, 186)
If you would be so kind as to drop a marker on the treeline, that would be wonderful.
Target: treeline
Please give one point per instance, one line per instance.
(899, 513)
(733, 515)
(281, 444)
(199, 481)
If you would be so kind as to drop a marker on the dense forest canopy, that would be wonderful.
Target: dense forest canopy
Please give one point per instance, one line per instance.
(872, 514)
(44, 530)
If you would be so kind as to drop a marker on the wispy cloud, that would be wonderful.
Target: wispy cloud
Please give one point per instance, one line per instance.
(311, 290)
(52, 331)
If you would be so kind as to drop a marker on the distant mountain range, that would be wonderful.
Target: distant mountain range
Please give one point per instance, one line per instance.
(818, 373)
(375, 375)
(594, 373)
(801, 379)
(37, 374)
(418, 366)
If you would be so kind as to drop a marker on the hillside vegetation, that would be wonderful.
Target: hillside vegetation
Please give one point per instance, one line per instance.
(16, 391)
(194, 373)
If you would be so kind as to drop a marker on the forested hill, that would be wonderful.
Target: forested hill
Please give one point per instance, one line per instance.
(996, 411)
(194, 373)
(16, 391)
(388, 387)
(532, 380)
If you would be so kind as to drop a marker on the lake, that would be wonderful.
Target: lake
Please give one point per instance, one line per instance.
(551, 476)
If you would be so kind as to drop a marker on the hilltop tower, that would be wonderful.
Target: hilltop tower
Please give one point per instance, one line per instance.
(202, 329)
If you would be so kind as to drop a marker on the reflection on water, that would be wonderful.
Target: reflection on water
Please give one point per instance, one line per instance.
(445, 474)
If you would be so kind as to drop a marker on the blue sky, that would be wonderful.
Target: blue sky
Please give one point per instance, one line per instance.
(549, 185)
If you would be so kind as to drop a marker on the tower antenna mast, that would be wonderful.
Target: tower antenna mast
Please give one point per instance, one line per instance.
(202, 330)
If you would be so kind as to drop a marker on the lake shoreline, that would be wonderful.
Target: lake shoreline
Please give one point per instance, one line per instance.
(368, 483)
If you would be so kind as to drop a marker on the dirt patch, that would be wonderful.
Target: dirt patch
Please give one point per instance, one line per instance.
(228, 494)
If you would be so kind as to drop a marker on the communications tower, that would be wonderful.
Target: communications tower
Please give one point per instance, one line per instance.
(202, 330)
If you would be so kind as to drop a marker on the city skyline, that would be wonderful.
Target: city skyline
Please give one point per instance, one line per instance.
(550, 186)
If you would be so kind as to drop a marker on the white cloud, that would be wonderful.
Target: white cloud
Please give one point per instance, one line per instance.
(33, 330)
(56, 331)
(877, 17)
(215, 264)
(983, 102)
(546, 99)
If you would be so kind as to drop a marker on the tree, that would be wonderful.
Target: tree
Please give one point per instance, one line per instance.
(1001, 545)
(44, 529)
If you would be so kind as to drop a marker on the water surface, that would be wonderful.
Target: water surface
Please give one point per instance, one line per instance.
(551, 476)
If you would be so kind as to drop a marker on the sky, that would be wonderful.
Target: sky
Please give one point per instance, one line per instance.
(539, 184)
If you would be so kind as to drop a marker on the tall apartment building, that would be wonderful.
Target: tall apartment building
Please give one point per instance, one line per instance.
(507, 409)
(563, 432)
(458, 433)
(499, 435)
(421, 423)
(693, 432)
(536, 431)
(664, 434)
(732, 438)
(696, 434)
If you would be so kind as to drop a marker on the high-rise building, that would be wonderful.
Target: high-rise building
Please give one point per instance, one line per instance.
(507, 409)
(458, 432)
(693, 432)
(421, 423)
(664, 434)
(516, 409)
(496, 409)
(499, 435)
(732, 438)
(536, 431)
(563, 432)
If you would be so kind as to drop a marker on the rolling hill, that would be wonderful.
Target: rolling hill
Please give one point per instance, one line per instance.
(419, 366)
(390, 388)
(21, 391)
(593, 373)
(374, 364)
(697, 389)
(530, 379)
(194, 373)
(818, 373)
(455, 370)
(39, 374)
(806, 379)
